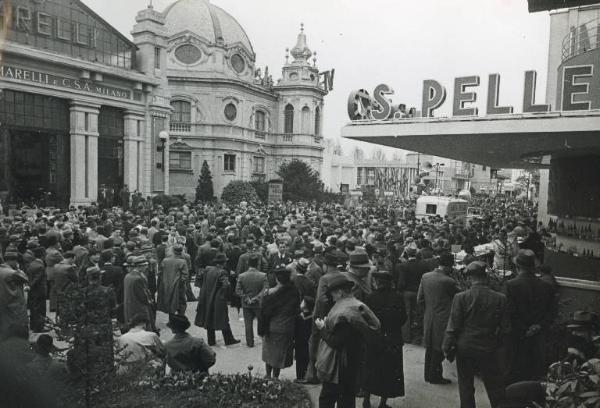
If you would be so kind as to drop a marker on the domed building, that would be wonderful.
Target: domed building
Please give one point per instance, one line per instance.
(225, 110)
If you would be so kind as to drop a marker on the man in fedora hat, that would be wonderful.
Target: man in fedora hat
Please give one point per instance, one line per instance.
(359, 272)
(185, 352)
(349, 325)
(477, 330)
(173, 282)
(580, 345)
(532, 309)
(331, 259)
(212, 313)
(407, 279)
(436, 292)
(136, 294)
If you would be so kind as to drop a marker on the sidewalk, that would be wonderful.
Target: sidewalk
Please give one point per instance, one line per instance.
(419, 394)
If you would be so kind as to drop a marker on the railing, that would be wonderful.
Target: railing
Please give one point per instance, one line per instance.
(182, 127)
(581, 39)
(201, 130)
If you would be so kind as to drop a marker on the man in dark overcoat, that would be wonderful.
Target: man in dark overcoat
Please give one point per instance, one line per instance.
(533, 307)
(436, 292)
(173, 281)
(36, 302)
(136, 295)
(212, 313)
(476, 333)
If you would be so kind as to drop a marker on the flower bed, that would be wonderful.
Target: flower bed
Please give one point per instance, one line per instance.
(189, 390)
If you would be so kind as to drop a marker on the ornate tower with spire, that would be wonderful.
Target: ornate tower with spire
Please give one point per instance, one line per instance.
(300, 93)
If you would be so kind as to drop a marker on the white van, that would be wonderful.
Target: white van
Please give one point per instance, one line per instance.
(454, 208)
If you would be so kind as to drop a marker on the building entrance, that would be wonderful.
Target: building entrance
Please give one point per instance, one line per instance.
(34, 150)
(111, 128)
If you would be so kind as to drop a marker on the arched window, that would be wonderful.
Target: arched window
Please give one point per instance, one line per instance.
(306, 124)
(317, 121)
(260, 121)
(181, 117)
(289, 119)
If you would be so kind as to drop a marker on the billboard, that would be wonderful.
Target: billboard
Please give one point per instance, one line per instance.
(275, 191)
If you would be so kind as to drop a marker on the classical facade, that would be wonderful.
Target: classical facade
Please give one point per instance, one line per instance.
(228, 112)
(85, 111)
(75, 109)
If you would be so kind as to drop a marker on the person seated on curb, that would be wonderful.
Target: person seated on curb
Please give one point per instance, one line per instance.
(140, 345)
(185, 352)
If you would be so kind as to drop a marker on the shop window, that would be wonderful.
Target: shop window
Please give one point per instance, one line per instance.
(33, 111)
(229, 162)
(180, 160)
(289, 119)
(181, 117)
(431, 209)
(259, 165)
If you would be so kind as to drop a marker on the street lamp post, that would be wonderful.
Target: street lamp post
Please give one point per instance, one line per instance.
(164, 138)
(437, 172)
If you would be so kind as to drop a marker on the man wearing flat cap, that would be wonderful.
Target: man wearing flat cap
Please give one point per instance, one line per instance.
(476, 333)
(532, 307)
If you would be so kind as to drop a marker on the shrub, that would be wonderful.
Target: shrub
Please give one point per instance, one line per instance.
(204, 190)
(573, 386)
(168, 201)
(262, 190)
(237, 191)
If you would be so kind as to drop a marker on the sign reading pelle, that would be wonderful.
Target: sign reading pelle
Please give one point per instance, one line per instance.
(43, 78)
(576, 87)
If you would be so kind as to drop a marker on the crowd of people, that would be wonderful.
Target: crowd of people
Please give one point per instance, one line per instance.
(337, 290)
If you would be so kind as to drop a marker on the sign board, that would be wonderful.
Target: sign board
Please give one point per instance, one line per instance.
(44, 78)
(363, 106)
(275, 191)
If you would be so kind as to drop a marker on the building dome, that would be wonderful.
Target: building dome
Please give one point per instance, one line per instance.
(208, 21)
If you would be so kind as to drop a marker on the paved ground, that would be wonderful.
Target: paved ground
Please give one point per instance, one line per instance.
(237, 358)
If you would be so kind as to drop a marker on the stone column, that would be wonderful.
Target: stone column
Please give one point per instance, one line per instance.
(84, 153)
(133, 148)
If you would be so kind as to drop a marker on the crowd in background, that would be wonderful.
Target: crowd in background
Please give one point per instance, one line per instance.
(337, 290)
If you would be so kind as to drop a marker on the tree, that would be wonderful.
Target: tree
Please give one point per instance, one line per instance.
(300, 181)
(262, 189)
(237, 191)
(204, 190)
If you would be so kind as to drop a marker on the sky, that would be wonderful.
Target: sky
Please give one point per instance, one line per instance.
(396, 42)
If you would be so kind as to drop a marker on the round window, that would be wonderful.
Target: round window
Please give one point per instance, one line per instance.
(188, 54)
(238, 64)
(294, 76)
(230, 112)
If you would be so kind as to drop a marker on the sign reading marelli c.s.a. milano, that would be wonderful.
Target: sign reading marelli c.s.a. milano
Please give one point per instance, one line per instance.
(44, 78)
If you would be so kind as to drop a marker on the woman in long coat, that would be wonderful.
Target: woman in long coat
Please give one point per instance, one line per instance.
(280, 306)
(384, 356)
